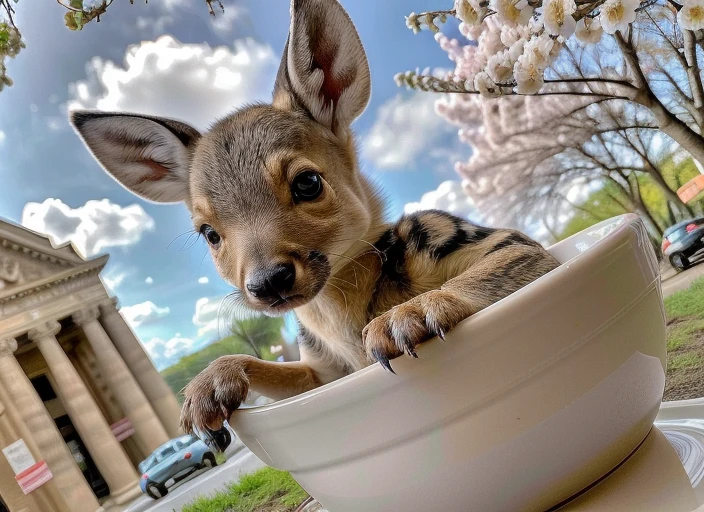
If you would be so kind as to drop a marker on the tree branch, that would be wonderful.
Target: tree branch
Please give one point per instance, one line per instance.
(694, 74)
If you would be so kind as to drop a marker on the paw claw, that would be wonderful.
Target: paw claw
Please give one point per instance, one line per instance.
(384, 361)
(441, 334)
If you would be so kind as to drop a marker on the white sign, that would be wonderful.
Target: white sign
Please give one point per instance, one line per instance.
(19, 456)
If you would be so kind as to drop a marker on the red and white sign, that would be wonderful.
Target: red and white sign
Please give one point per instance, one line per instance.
(28, 473)
(34, 477)
(122, 429)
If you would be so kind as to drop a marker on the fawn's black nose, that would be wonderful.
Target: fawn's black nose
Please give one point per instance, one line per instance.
(272, 283)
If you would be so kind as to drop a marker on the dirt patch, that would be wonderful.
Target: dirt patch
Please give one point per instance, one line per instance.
(685, 363)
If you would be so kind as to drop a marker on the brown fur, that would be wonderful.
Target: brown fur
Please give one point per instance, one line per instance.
(365, 290)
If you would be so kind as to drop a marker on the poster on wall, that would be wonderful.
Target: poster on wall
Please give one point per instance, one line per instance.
(28, 473)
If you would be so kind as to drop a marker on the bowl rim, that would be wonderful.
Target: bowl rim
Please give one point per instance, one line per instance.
(573, 265)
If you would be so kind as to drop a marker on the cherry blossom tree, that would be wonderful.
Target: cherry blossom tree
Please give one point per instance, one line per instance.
(534, 156)
(643, 56)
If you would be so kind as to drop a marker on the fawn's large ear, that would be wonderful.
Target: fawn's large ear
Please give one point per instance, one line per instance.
(149, 156)
(324, 69)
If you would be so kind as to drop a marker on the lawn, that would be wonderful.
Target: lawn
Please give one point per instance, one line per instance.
(266, 490)
(685, 343)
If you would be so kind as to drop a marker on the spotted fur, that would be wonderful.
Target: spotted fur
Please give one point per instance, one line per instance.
(365, 290)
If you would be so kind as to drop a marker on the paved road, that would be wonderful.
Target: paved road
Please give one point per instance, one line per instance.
(675, 282)
(240, 462)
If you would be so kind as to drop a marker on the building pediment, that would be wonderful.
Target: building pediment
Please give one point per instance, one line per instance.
(28, 258)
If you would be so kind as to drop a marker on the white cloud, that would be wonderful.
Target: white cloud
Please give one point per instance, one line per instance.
(92, 228)
(113, 278)
(143, 313)
(406, 127)
(195, 83)
(449, 196)
(2, 137)
(149, 280)
(206, 315)
(167, 353)
(203, 280)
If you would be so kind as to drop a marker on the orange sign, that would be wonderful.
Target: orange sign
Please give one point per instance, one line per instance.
(691, 190)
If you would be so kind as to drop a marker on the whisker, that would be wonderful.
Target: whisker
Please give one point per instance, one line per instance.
(351, 259)
(203, 259)
(190, 232)
(184, 248)
(344, 281)
(379, 253)
(232, 307)
(344, 296)
(370, 245)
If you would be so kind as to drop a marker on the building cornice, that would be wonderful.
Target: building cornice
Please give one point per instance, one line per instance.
(94, 266)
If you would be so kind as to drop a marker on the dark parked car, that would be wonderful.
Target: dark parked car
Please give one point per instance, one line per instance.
(172, 462)
(682, 243)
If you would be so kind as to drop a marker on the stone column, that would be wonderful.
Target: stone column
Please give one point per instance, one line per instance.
(88, 368)
(152, 383)
(71, 483)
(149, 432)
(85, 415)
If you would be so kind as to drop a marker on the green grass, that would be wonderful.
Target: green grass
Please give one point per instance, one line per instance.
(685, 343)
(684, 361)
(266, 490)
(220, 458)
(684, 333)
(687, 303)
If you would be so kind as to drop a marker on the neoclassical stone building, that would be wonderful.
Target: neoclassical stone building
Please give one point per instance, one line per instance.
(77, 389)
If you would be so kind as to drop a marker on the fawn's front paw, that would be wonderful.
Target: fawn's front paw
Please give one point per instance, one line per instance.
(403, 327)
(212, 396)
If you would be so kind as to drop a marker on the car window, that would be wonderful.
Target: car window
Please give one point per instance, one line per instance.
(146, 464)
(675, 235)
(165, 453)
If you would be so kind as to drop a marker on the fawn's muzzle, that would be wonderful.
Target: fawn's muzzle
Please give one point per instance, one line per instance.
(272, 283)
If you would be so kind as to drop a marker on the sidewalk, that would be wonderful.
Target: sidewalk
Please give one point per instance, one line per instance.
(673, 282)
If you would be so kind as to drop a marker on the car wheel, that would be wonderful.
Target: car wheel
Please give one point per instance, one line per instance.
(156, 491)
(679, 261)
(209, 461)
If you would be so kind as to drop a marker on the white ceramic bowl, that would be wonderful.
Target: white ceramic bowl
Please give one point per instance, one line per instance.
(526, 404)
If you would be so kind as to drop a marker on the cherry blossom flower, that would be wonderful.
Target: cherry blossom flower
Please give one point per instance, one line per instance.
(691, 16)
(540, 49)
(616, 15)
(589, 31)
(500, 67)
(512, 12)
(470, 12)
(557, 17)
(528, 72)
(511, 35)
(484, 85)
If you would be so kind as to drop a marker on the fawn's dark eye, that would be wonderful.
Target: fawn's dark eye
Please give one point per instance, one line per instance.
(210, 235)
(306, 186)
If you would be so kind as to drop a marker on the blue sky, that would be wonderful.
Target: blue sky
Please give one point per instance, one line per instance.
(203, 69)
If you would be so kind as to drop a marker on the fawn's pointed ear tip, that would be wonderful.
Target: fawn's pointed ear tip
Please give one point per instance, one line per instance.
(79, 117)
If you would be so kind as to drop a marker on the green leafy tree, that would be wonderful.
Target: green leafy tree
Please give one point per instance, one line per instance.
(252, 336)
